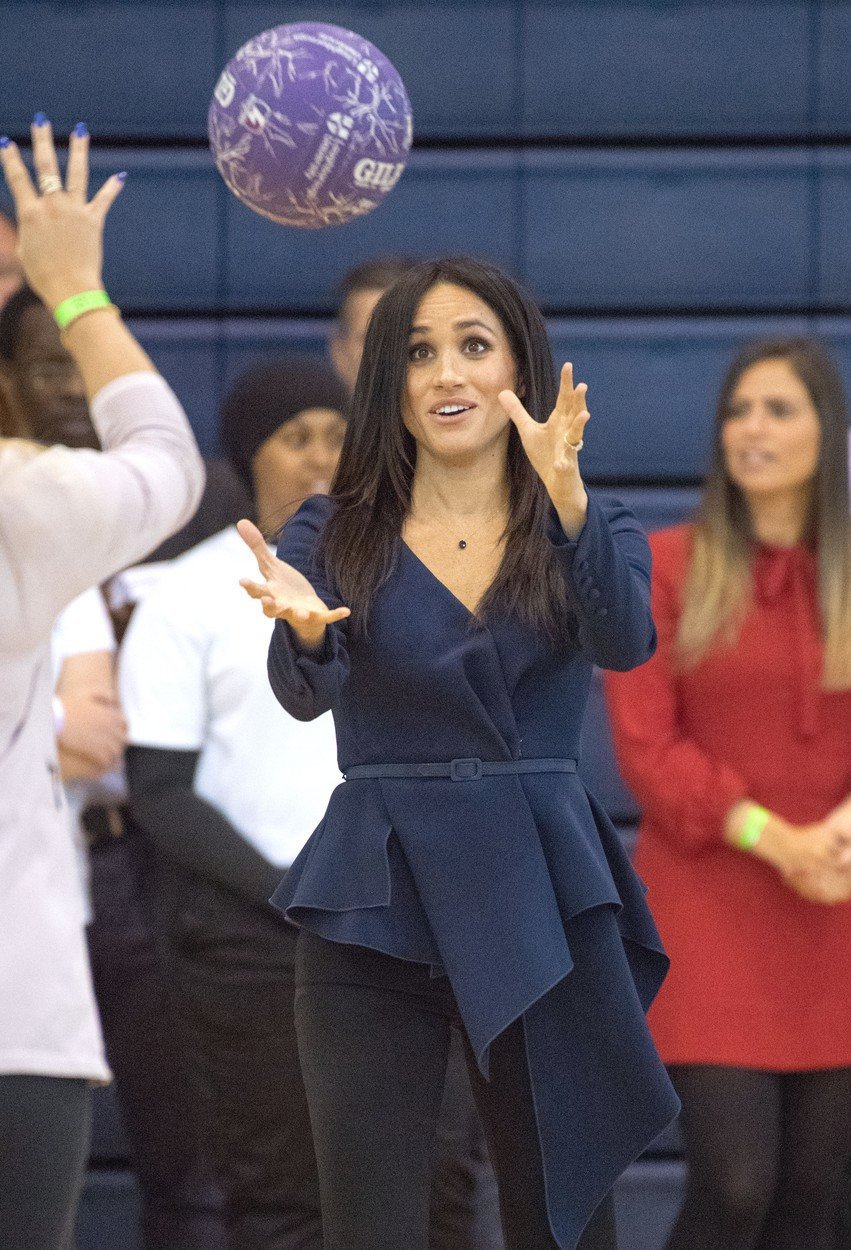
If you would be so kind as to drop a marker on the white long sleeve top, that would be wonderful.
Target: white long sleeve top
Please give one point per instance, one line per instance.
(68, 519)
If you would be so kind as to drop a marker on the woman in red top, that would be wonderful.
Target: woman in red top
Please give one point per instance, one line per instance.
(736, 739)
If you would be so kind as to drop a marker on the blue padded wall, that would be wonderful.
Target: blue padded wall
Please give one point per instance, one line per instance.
(591, 231)
(587, 231)
(834, 227)
(652, 386)
(832, 69)
(127, 67)
(619, 67)
(669, 228)
(164, 246)
(458, 58)
(592, 68)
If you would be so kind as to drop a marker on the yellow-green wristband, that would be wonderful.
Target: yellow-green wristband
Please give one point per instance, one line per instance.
(73, 307)
(752, 827)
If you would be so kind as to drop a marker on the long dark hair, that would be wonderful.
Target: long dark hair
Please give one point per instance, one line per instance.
(372, 486)
(718, 587)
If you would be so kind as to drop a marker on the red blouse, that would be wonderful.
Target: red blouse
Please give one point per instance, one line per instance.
(760, 977)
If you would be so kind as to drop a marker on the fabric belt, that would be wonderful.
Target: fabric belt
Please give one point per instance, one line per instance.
(460, 770)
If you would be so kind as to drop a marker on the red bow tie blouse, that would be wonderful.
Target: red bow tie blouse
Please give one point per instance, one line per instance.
(759, 976)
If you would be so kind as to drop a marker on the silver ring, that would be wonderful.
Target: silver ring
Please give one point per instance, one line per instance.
(48, 183)
(576, 446)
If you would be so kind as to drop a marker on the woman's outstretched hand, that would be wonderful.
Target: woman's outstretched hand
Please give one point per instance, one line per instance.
(60, 231)
(285, 594)
(553, 448)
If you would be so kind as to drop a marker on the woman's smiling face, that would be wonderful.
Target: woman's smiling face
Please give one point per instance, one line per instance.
(459, 359)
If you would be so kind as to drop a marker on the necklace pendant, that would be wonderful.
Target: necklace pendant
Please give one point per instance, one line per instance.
(463, 544)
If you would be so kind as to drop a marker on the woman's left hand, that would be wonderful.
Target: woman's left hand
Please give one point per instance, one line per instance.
(553, 448)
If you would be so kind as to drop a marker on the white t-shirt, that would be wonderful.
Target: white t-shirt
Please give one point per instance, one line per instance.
(192, 673)
(83, 626)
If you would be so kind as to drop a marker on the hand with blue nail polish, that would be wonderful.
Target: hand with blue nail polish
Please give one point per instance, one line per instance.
(60, 231)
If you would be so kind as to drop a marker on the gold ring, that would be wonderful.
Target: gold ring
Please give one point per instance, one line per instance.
(48, 183)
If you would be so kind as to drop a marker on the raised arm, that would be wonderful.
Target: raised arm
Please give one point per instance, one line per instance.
(60, 246)
(602, 550)
(69, 519)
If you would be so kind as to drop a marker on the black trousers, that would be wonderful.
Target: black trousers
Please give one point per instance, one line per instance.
(179, 1205)
(233, 972)
(374, 1035)
(44, 1138)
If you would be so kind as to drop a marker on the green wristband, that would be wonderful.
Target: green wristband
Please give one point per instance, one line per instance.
(752, 827)
(73, 307)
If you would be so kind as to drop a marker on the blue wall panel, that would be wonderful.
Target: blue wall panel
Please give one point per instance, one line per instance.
(619, 67)
(190, 354)
(669, 228)
(833, 68)
(127, 67)
(652, 386)
(601, 230)
(458, 58)
(834, 233)
(445, 202)
(596, 67)
(201, 358)
(252, 341)
(163, 238)
(836, 333)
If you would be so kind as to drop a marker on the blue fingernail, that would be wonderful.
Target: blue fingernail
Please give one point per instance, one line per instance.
(40, 119)
(122, 177)
(4, 141)
(81, 130)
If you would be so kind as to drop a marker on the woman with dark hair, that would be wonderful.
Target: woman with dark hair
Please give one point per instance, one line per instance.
(736, 739)
(447, 603)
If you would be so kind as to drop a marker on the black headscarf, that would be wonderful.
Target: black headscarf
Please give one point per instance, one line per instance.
(268, 395)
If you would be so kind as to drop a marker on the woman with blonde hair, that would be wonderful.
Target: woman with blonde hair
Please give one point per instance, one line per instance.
(736, 739)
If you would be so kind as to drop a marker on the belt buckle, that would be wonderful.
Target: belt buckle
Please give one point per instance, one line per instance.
(465, 770)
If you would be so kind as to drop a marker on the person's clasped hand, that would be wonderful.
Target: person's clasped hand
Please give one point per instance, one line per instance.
(94, 731)
(820, 866)
(285, 594)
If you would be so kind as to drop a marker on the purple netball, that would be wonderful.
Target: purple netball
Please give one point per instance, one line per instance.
(310, 125)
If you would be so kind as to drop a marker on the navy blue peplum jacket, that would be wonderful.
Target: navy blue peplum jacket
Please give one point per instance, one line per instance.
(516, 887)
